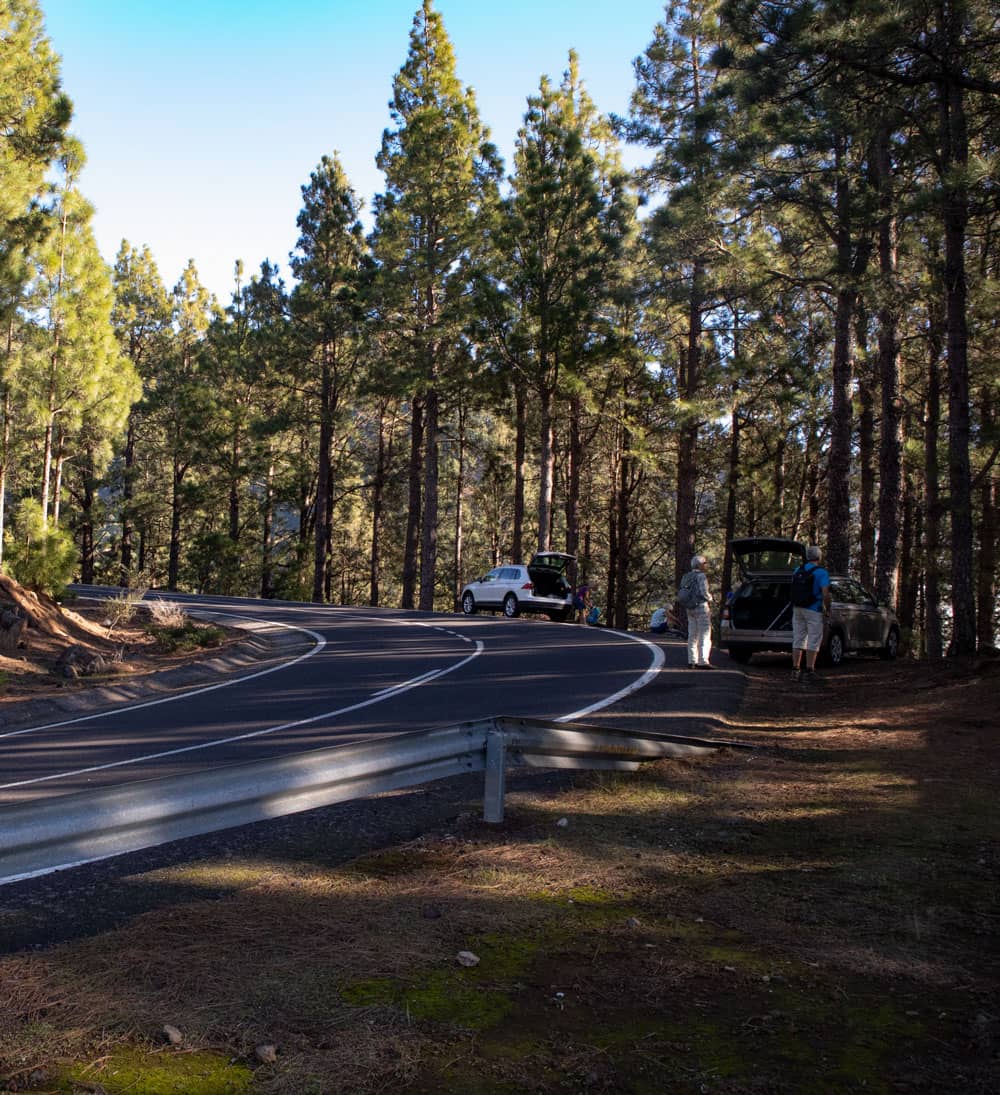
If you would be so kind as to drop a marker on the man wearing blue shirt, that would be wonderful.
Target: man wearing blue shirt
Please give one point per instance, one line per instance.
(808, 620)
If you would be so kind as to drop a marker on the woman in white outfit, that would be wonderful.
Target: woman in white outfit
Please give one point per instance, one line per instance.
(700, 616)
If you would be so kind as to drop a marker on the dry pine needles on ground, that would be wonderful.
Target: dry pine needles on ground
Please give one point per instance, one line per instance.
(813, 915)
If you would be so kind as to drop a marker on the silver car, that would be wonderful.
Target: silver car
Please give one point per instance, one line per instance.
(758, 615)
(538, 586)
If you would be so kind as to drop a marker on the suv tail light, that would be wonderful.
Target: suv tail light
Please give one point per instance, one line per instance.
(528, 586)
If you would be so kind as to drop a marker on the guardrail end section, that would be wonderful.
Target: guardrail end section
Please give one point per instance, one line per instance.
(496, 775)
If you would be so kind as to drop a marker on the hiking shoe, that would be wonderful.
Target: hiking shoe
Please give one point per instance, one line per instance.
(810, 679)
(797, 675)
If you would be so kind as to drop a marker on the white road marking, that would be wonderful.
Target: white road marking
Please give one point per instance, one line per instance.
(658, 659)
(397, 690)
(320, 643)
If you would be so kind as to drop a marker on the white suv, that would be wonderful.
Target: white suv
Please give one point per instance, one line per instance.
(539, 586)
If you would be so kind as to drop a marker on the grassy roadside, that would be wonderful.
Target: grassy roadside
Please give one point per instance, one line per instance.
(817, 915)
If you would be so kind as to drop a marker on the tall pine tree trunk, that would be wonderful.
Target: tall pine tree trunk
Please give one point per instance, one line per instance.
(267, 533)
(778, 480)
(732, 494)
(618, 606)
(520, 446)
(866, 469)
(547, 460)
(321, 544)
(377, 504)
(459, 568)
(955, 147)
(174, 559)
(909, 568)
(128, 494)
(934, 642)
(687, 445)
(891, 437)
(428, 533)
(574, 470)
(413, 504)
(838, 476)
(234, 491)
(85, 518)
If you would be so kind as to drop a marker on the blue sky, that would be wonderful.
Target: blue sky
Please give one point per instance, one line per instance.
(202, 120)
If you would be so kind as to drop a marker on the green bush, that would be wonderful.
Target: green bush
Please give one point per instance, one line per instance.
(41, 557)
(188, 636)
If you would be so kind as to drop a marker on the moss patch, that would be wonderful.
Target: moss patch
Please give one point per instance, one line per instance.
(132, 1070)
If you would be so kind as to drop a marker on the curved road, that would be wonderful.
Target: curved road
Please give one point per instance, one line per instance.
(358, 673)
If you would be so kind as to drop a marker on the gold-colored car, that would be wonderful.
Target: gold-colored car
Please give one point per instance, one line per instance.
(758, 613)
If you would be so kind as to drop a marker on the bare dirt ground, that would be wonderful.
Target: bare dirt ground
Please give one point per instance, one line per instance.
(818, 914)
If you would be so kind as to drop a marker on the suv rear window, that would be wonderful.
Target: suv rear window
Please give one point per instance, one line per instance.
(770, 561)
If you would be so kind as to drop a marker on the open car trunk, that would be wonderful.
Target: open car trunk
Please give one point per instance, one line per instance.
(547, 571)
(762, 605)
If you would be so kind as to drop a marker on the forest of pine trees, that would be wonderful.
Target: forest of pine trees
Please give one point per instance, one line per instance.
(786, 323)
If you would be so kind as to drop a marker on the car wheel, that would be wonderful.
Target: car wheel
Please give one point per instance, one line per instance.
(891, 648)
(741, 654)
(510, 608)
(468, 604)
(835, 648)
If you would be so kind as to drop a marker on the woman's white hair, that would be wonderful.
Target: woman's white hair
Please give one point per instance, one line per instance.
(813, 554)
(697, 560)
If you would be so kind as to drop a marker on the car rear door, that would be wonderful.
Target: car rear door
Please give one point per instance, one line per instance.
(847, 612)
(870, 617)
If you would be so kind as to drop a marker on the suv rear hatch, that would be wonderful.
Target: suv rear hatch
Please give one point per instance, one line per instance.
(760, 555)
(547, 570)
(761, 603)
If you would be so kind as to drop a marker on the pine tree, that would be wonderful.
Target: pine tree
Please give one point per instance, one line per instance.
(326, 309)
(78, 374)
(441, 174)
(34, 114)
(674, 112)
(141, 319)
(561, 239)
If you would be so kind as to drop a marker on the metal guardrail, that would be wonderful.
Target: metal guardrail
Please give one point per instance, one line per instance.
(37, 838)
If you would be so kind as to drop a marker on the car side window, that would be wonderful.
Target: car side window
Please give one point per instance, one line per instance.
(508, 574)
(862, 596)
(493, 575)
(842, 592)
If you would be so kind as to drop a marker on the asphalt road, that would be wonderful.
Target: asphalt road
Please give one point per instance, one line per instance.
(355, 674)
(368, 657)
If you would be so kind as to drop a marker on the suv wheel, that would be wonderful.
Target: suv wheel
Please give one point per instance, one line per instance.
(510, 608)
(835, 648)
(891, 648)
(468, 604)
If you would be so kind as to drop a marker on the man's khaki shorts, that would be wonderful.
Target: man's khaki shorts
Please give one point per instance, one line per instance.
(807, 629)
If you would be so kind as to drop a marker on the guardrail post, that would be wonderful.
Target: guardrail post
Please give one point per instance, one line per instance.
(496, 775)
